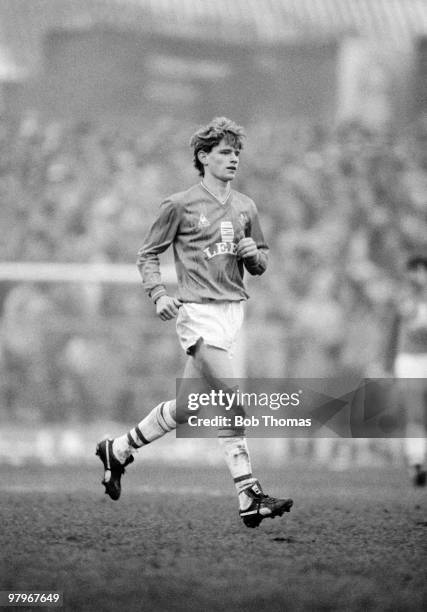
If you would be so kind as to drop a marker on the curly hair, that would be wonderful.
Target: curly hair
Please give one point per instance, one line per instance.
(210, 135)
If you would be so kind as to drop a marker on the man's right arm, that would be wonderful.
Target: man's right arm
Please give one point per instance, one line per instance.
(160, 236)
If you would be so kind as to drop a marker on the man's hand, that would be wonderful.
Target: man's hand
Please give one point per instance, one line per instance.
(167, 307)
(247, 248)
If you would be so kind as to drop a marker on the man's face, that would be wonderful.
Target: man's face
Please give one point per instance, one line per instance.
(221, 162)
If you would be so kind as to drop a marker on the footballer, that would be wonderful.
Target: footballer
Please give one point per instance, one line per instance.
(216, 235)
(406, 358)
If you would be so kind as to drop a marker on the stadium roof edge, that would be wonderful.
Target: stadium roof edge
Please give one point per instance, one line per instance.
(23, 24)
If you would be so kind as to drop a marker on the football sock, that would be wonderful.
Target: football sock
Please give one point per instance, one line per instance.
(237, 458)
(156, 424)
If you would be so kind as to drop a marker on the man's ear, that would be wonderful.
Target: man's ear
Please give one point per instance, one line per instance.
(202, 156)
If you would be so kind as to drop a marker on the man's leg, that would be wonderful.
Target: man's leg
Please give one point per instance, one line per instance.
(117, 453)
(410, 370)
(214, 366)
(413, 399)
(160, 421)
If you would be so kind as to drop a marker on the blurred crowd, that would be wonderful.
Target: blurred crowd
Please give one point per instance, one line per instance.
(341, 208)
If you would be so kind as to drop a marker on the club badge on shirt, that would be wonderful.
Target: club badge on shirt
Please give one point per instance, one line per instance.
(227, 231)
(243, 220)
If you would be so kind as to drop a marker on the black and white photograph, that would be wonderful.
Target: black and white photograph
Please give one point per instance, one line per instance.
(213, 305)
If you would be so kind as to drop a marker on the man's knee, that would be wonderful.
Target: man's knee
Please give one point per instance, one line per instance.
(211, 361)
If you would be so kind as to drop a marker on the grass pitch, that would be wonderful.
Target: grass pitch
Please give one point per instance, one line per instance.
(354, 540)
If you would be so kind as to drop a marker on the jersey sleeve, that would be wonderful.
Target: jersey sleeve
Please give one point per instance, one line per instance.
(256, 265)
(159, 238)
(392, 319)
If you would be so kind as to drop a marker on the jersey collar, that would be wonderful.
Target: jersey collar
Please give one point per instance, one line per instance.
(222, 202)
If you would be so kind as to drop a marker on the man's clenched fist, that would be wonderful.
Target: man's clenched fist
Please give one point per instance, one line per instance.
(167, 307)
(247, 248)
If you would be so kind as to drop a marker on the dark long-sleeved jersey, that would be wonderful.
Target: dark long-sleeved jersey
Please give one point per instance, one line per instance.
(204, 234)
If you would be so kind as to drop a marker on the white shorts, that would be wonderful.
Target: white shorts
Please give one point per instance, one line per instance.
(411, 365)
(413, 393)
(217, 323)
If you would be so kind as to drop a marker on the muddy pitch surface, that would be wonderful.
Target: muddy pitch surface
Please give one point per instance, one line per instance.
(355, 540)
